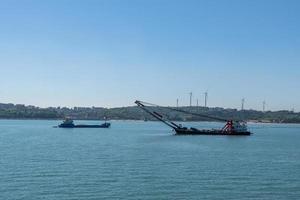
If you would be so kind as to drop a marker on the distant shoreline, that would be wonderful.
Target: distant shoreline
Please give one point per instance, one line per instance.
(23, 112)
(60, 119)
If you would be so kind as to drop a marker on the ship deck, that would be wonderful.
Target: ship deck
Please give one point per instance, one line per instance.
(194, 131)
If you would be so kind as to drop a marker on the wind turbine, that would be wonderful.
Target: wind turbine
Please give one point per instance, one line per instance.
(191, 96)
(243, 103)
(205, 98)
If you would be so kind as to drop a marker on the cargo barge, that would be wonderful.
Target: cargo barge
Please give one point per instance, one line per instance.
(69, 123)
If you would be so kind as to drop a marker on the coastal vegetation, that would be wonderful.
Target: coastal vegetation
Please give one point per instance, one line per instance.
(20, 111)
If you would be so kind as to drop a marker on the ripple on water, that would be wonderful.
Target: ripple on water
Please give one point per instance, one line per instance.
(137, 160)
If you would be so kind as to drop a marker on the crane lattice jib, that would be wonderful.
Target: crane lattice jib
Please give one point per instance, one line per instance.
(183, 111)
(157, 116)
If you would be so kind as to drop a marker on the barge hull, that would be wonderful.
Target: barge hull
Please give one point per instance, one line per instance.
(210, 132)
(84, 126)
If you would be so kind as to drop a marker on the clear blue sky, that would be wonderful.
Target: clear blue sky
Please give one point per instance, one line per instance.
(109, 53)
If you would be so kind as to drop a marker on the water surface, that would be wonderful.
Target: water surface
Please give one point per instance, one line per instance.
(144, 160)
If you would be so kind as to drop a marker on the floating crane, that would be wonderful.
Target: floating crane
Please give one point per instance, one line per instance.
(231, 127)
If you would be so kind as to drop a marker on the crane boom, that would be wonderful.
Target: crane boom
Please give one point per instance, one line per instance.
(156, 115)
(186, 112)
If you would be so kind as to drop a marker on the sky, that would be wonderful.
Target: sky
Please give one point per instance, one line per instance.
(109, 53)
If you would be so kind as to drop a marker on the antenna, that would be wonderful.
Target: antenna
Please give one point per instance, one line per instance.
(191, 95)
(243, 102)
(197, 102)
(205, 99)
(177, 103)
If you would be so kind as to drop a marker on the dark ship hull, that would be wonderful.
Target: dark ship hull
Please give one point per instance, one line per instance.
(105, 125)
(194, 131)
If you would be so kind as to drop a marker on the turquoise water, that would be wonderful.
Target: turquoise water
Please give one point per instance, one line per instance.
(143, 160)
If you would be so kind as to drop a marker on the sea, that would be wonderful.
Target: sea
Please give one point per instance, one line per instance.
(145, 160)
